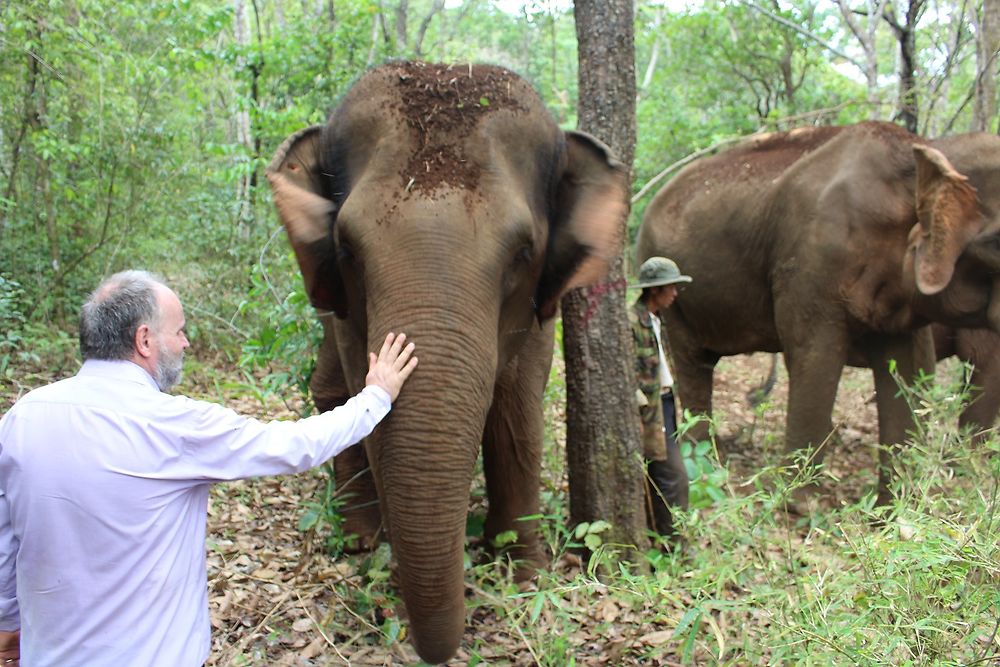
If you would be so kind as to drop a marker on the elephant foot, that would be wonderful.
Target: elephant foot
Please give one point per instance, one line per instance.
(525, 561)
(802, 501)
(362, 530)
(884, 497)
(526, 569)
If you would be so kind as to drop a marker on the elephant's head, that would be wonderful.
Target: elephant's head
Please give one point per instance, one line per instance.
(953, 257)
(443, 201)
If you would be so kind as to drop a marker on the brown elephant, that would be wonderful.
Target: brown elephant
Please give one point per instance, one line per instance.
(829, 244)
(444, 202)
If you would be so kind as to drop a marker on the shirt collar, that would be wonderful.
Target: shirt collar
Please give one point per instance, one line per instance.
(645, 317)
(118, 369)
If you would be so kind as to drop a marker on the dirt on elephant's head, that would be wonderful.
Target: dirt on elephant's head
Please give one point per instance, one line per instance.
(442, 104)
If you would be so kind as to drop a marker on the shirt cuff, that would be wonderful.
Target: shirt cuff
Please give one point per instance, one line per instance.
(379, 393)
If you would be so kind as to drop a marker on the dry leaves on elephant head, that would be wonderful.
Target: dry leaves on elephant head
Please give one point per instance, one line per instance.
(442, 104)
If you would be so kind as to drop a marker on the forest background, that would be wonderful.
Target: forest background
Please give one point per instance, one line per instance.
(135, 134)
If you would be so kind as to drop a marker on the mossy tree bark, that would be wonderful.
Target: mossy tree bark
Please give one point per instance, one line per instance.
(604, 457)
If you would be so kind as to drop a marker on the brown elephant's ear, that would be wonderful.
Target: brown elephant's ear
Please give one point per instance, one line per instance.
(948, 216)
(588, 221)
(307, 215)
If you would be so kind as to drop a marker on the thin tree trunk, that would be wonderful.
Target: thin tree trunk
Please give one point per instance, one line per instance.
(418, 43)
(373, 50)
(44, 184)
(654, 54)
(244, 132)
(256, 68)
(866, 39)
(604, 458)
(401, 28)
(987, 26)
(906, 36)
(29, 119)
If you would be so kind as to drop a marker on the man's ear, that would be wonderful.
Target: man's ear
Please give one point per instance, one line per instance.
(142, 344)
(588, 223)
(308, 217)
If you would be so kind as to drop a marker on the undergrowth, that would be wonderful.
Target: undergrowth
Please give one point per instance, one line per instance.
(914, 583)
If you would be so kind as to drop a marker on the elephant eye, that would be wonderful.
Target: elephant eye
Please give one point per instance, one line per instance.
(524, 253)
(344, 252)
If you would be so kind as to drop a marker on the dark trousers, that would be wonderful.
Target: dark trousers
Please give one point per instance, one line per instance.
(668, 480)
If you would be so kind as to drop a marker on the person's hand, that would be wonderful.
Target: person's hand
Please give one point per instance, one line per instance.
(393, 364)
(10, 649)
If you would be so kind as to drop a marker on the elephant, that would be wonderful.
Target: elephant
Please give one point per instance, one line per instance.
(443, 201)
(833, 245)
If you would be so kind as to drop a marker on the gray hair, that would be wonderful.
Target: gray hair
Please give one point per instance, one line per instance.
(113, 313)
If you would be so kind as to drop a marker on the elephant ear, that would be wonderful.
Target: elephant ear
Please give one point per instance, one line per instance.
(587, 223)
(308, 216)
(948, 219)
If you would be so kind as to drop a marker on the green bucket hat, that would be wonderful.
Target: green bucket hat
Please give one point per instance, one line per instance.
(657, 271)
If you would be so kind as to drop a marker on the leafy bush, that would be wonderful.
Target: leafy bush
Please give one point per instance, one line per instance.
(11, 322)
(282, 350)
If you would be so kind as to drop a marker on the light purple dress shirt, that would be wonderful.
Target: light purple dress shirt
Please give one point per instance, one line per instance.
(104, 485)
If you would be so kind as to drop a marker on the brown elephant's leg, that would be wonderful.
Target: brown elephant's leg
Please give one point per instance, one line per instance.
(913, 354)
(814, 364)
(984, 400)
(355, 482)
(512, 444)
(981, 348)
(694, 369)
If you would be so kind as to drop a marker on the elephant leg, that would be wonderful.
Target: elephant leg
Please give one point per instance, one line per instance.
(512, 451)
(913, 354)
(694, 371)
(984, 400)
(814, 361)
(355, 482)
(981, 348)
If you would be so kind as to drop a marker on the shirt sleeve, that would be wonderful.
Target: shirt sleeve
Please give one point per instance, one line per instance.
(218, 444)
(9, 611)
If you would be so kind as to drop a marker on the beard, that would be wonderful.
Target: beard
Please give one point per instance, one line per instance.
(168, 369)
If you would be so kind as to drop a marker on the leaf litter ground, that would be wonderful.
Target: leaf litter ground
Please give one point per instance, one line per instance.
(278, 599)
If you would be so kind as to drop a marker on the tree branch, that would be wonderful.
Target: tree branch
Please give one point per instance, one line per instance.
(805, 33)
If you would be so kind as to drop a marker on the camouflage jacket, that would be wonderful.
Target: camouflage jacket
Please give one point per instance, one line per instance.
(647, 371)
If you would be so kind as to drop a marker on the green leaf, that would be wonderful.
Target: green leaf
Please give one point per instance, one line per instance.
(505, 538)
(308, 520)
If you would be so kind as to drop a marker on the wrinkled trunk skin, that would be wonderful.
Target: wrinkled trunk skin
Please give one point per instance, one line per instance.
(425, 454)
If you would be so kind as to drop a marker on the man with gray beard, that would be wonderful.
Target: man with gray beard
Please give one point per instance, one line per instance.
(104, 482)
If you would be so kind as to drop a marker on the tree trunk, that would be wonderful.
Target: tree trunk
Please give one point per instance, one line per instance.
(604, 457)
(906, 36)
(244, 131)
(402, 42)
(30, 119)
(866, 37)
(987, 26)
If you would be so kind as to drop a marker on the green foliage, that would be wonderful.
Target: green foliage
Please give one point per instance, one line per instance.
(324, 516)
(11, 323)
(282, 350)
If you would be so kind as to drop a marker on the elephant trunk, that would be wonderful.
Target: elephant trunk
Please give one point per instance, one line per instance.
(424, 459)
